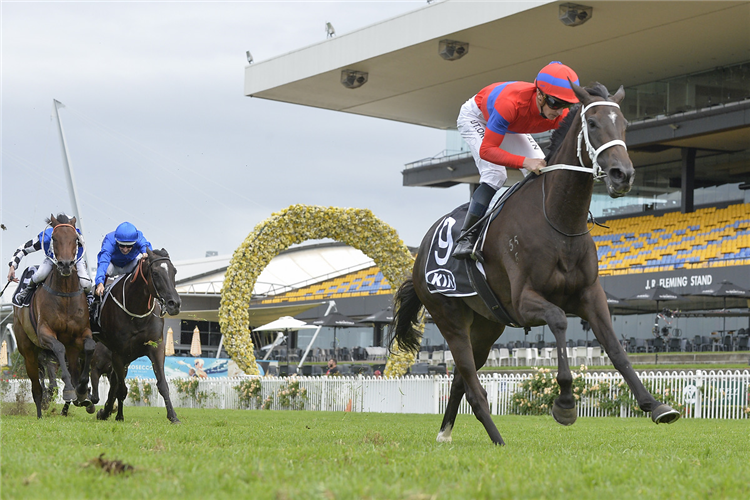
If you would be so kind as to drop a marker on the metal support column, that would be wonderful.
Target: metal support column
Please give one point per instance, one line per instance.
(688, 180)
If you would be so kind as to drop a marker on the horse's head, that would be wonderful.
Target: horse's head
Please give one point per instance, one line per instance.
(604, 135)
(162, 276)
(65, 242)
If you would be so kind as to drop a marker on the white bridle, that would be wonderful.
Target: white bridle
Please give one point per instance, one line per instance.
(53, 257)
(583, 136)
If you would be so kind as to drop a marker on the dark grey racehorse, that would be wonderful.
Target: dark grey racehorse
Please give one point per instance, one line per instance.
(132, 325)
(541, 263)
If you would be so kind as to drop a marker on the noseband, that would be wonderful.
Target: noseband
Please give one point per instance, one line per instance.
(583, 137)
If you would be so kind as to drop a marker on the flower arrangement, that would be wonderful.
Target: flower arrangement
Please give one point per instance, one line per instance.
(134, 391)
(536, 394)
(292, 396)
(249, 393)
(358, 228)
(140, 392)
(189, 387)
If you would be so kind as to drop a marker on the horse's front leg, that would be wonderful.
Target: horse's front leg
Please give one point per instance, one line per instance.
(48, 340)
(532, 309)
(82, 391)
(597, 314)
(156, 355)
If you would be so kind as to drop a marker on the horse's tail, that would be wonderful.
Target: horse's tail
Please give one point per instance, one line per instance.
(406, 321)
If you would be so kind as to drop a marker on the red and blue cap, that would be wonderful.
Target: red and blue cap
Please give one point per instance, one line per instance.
(553, 80)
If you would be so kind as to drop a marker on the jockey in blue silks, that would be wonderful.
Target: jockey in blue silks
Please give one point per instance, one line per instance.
(120, 253)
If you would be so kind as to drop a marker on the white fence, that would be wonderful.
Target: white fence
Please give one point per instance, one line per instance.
(705, 394)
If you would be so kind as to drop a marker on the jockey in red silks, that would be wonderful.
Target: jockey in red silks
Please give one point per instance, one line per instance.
(496, 124)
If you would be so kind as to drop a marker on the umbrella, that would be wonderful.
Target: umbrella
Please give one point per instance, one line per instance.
(169, 346)
(380, 318)
(656, 294)
(612, 300)
(284, 324)
(335, 320)
(4, 354)
(195, 345)
(724, 290)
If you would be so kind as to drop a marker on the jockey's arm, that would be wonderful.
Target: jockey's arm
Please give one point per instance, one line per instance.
(30, 246)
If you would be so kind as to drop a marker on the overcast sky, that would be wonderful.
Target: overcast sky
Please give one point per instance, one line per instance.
(160, 134)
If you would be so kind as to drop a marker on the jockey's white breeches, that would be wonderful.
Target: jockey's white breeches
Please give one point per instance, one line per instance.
(46, 267)
(471, 126)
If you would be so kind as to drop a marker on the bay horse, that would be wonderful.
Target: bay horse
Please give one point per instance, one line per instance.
(541, 263)
(57, 320)
(132, 325)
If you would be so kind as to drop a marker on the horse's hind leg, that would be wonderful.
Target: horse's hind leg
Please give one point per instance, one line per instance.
(454, 319)
(31, 360)
(115, 377)
(484, 333)
(601, 324)
(451, 409)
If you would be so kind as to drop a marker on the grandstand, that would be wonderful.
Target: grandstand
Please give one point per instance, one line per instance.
(708, 237)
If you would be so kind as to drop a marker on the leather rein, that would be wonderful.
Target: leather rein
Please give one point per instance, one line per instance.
(595, 170)
(135, 274)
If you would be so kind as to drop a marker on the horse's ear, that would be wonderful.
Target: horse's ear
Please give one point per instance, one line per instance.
(53, 222)
(73, 222)
(580, 93)
(619, 95)
(164, 252)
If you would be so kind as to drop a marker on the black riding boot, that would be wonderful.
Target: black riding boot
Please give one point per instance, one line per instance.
(478, 206)
(26, 292)
(465, 243)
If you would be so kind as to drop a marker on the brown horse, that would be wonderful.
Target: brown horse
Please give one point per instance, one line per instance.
(132, 325)
(58, 320)
(540, 262)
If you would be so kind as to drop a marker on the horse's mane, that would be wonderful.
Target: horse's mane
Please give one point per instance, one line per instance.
(596, 89)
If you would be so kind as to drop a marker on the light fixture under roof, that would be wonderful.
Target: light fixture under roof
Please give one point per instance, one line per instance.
(352, 79)
(571, 14)
(452, 50)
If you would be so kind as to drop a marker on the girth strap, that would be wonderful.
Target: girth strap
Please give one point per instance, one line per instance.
(479, 283)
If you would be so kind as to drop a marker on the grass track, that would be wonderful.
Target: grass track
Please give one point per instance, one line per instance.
(290, 455)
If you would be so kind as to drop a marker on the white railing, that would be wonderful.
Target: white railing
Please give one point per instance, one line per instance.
(705, 394)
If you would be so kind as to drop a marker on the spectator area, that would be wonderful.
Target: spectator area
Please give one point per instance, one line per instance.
(368, 281)
(705, 238)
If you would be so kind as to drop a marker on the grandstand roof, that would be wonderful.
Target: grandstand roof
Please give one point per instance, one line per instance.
(296, 267)
(200, 281)
(624, 43)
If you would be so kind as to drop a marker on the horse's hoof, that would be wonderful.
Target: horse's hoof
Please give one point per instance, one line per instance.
(100, 415)
(664, 414)
(90, 409)
(176, 421)
(564, 416)
(69, 396)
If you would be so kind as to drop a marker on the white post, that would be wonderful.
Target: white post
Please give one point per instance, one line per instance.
(56, 105)
(331, 305)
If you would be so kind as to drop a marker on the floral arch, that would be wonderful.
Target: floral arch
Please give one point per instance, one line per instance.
(358, 228)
